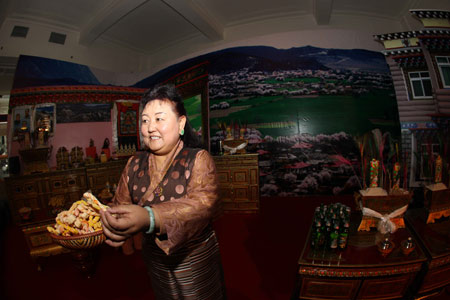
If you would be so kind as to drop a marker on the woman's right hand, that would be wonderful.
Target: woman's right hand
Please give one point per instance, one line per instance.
(123, 221)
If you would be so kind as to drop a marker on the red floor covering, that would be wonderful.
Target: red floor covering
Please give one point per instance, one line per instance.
(259, 254)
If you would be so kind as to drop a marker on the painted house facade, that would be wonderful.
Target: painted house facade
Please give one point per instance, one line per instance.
(420, 66)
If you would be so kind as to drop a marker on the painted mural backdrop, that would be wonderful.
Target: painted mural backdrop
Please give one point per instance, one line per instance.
(303, 109)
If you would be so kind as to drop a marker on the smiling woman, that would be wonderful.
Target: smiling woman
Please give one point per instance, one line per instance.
(169, 192)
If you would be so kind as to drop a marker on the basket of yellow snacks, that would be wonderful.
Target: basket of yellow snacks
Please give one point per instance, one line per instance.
(79, 227)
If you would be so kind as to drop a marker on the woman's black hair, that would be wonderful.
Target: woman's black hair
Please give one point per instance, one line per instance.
(168, 92)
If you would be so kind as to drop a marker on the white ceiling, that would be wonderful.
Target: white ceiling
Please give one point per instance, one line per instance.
(150, 26)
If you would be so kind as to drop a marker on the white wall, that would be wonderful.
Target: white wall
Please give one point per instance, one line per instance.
(104, 55)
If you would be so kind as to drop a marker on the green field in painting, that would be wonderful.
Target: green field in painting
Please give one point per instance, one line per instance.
(193, 108)
(325, 114)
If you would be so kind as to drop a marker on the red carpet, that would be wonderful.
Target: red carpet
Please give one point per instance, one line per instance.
(259, 254)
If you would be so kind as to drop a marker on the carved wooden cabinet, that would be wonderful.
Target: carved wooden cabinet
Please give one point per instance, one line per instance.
(36, 199)
(238, 182)
(40, 197)
(99, 174)
(360, 271)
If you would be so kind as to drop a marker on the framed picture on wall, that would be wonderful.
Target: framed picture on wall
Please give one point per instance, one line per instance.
(22, 121)
(125, 122)
(83, 112)
(45, 118)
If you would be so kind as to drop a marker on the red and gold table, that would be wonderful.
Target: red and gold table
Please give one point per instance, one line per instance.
(360, 271)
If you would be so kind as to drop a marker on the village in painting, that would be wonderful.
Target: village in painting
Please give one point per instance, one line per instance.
(304, 122)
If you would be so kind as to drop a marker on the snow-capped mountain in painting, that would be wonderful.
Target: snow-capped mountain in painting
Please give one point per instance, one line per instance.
(269, 59)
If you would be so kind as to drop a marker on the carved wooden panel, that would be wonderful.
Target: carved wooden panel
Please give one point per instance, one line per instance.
(436, 278)
(383, 288)
(238, 178)
(313, 288)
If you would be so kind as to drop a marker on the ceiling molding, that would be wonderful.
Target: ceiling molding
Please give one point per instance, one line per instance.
(106, 18)
(322, 11)
(199, 17)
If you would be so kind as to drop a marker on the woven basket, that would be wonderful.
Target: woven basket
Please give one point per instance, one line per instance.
(76, 242)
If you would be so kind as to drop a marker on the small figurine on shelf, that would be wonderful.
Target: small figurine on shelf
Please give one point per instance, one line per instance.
(126, 150)
(40, 137)
(76, 156)
(105, 149)
(103, 157)
(62, 159)
(91, 151)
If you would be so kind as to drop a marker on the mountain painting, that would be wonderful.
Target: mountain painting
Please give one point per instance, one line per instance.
(301, 108)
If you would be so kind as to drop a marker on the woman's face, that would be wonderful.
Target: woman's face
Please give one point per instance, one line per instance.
(161, 127)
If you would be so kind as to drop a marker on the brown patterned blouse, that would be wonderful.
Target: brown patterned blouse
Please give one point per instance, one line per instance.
(184, 197)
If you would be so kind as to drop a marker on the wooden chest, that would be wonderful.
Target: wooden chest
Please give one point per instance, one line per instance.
(238, 182)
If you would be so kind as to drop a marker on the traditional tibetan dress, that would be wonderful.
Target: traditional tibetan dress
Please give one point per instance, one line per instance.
(183, 258)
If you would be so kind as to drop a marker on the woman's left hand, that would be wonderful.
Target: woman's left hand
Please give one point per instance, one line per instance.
(122, 221)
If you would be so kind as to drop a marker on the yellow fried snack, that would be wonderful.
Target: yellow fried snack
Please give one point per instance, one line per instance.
(92, 200)
(82, 217)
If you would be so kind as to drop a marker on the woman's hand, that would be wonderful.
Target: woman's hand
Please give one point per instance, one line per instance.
(122, 221)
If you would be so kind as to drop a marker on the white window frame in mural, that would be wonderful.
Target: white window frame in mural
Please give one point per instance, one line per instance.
(443, 63)
(420, 77)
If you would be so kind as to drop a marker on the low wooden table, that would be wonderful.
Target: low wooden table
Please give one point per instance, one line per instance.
(435, 240)
(359, 271)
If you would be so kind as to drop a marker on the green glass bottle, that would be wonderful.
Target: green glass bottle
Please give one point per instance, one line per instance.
(316, 235)
(343, 235)
(334, 237)
(327, 232)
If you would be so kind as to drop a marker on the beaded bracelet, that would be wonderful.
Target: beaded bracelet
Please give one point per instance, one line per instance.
(152, 220)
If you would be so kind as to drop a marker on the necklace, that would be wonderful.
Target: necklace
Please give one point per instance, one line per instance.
(158, 191)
